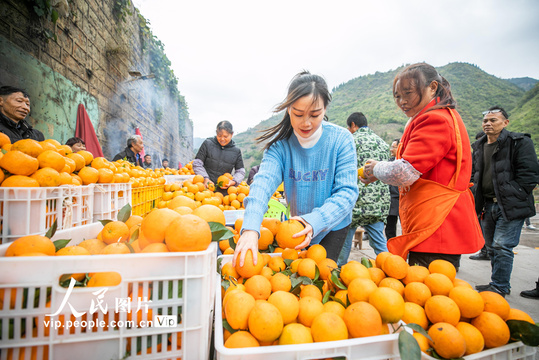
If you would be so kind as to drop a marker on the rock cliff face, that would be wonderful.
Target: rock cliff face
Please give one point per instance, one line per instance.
(86, 58)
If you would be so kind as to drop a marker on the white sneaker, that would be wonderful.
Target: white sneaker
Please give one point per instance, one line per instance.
(531, 227)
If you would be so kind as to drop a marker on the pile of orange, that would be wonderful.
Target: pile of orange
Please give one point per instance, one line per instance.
(29, 163)
(361, 301)
(187, 169)
(193, 193)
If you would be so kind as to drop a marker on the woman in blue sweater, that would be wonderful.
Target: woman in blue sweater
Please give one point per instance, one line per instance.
(317, 162)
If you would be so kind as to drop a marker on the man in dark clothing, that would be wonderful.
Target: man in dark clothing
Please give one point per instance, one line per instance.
(505, 171)
(147, 164)
(14, 107)
(132, 152)
(252, 174)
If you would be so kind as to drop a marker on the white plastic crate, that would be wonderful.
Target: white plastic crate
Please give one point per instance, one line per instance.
(512, 351)
(232, 215)
(109, 200)
(179, 283)
(31, 211)
(371, 348)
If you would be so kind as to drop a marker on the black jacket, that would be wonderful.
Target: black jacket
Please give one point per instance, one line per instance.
(18, 131)
(515, 173)
(129, 155)
(219, 159)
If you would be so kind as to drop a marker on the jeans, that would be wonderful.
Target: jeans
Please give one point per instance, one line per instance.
(501, 236)
(377, 241)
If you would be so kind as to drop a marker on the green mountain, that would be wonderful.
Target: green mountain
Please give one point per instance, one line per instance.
(474, 90)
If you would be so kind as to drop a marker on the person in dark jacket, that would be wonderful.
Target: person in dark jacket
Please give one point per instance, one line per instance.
(393, 217)
(14, 107)
(219, 155)
(252, 174)
(131, 153)
(505, 171)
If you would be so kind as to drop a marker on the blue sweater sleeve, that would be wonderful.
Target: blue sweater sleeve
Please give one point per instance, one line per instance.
(268, 178)
(338, 206)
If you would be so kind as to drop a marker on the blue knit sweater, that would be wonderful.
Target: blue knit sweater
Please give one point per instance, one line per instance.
(320, 182)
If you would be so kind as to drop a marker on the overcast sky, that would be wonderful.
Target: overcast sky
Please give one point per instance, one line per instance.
(234, 59)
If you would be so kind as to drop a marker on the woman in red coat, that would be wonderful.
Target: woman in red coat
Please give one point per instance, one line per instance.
(432, 171)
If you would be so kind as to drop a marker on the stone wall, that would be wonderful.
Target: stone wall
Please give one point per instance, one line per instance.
(89, 63)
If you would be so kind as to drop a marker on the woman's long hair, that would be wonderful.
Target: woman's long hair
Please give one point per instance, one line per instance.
(303, 84)
(422, 74)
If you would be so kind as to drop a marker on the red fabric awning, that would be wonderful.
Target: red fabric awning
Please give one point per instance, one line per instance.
(85, 130)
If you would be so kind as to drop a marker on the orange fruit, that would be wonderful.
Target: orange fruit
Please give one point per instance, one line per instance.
(4, 139)
(443, 267)
(439, 284)
(441, 308)
(80, 162)
(447, 340)
(309, 308)
(249, 269)
(19, 163)
(100, 163)
(266, 238)
(389, 304)
(336, 308)
(184, 210)
(469, 301)
(47, 177)
(72, 250)
(237, 309)
(198, 179)
(105, 176)
(210, 213)
(460, 282)
(115, 231)
(328, 326)
(362, 319)
(156, 223)
(71, 164)
(88, 156)
(495, 303)
(48, 146)
(232, 190)
(155, 247)
(290, 254)
(377, 274)
(422, 341)
(271, 224)
(316, 252)
(287, 303)
(20, 181)
(133, 220)
(312, 291)
(280, 282)
(187, 233)
(100, 279)
(228, 271)
(417, 292)
(53, 142)
(116, 248)
(65, 179)
(259, 287)
(28, 146)
(182, 201)
(415, 314)
(380, 258)
(325, 267)
(342, 295)
(94, 246)
(88, 174)
(307, 267)
(286, 230)
(51, 158)
(352, 270)
(493, 328)
(360, 289)
(277, 264)
(238, 223)
(30, 244)
(395, 267)
(65, 150)
(265, 321)
(241, 339)
(295, 334)
(392, 283)
(473, 337)
(516, 314)
(416, 273)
